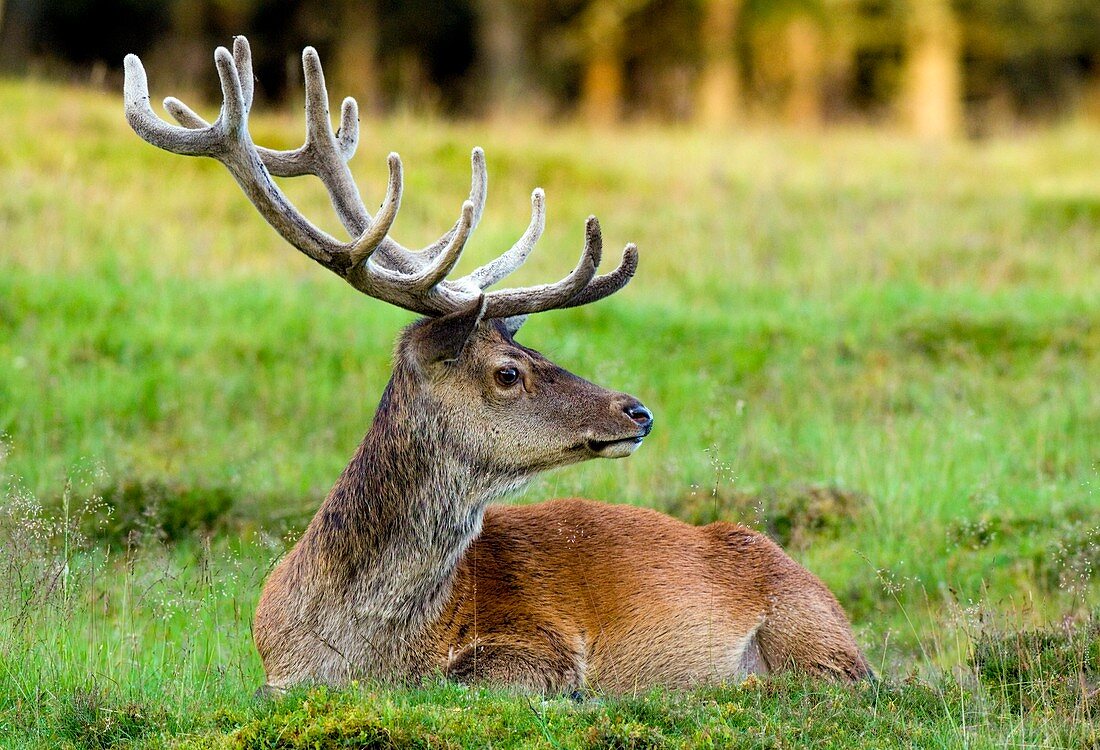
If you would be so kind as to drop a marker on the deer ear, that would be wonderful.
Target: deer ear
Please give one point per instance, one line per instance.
(442, 339)
(512, 324)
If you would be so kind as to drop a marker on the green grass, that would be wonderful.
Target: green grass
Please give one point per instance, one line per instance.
(885, 354)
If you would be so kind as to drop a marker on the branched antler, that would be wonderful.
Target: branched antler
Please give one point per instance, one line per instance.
(372, 262)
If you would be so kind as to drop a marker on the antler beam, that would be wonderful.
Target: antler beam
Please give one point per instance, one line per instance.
(372, 261)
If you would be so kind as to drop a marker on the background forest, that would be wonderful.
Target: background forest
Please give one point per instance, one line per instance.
(932, 67)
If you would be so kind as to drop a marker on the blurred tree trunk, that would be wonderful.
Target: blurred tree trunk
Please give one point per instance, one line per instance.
(1091, 98)
(185, 51)
(803, 104)
(16, 28)
(355, 72)
(719, 94)
(602, 80)
(932, 82)
(502, 46)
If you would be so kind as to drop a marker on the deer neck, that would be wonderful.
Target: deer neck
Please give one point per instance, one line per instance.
(387, 540)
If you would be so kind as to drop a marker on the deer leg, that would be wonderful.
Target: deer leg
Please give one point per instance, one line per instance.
(550, 668)
(807, 630)
(752, 660)
(802, 625)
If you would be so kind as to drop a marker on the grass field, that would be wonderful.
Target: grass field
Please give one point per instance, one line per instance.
(883, 353)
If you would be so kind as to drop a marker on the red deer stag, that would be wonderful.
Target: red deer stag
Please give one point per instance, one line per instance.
(404, 572)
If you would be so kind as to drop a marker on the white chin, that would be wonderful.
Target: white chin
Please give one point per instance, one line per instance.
(618, 449)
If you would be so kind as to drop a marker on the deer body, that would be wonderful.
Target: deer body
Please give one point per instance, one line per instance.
(406, 571)
(572, 595)
(617, 599)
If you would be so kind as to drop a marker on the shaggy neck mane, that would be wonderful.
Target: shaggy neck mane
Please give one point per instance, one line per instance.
(389, 536)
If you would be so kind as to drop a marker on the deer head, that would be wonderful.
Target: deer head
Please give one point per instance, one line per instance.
(460, 368)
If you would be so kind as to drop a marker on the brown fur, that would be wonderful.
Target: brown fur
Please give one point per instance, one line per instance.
(573, 594)
(404, 571)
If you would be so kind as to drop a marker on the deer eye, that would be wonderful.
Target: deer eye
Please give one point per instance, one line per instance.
(507, 376)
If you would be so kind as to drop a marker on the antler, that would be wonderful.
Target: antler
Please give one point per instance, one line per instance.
(372, 262)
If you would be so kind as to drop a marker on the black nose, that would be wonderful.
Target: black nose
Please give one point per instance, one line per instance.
(641, 415)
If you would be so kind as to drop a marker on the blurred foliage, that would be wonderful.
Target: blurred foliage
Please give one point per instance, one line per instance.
(1019, 61)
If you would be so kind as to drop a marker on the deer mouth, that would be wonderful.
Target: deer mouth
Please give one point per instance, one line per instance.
(620, 448)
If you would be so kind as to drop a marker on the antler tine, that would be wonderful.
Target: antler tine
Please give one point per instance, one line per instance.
(607, 284)
(320, 141)
(507, 303)
(479, 186)
(154, 130)
(242, 58)
(228, 141)
(365, 246)
(479, 183)
(425, 291)
(497, 269)
(298, 161)
(445, 262)
(325, 154)
(184, 115)
(234, 113)
(347, 137)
